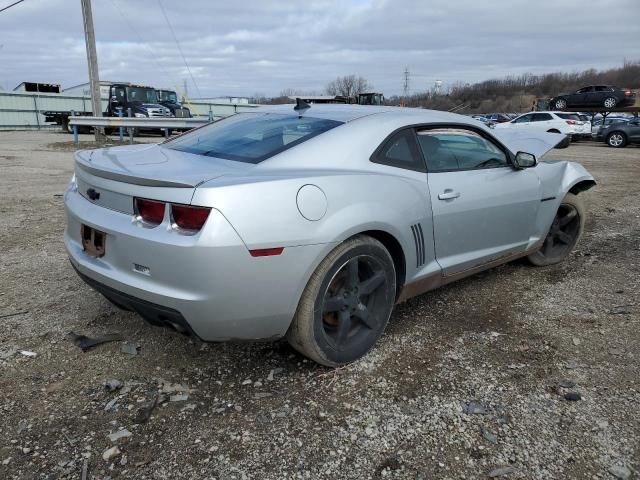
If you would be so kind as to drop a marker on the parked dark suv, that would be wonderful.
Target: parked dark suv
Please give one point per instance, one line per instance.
(620, 134)
(594, 96)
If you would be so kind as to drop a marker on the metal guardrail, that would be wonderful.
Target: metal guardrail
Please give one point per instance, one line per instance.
(25, 110)
(132, 123)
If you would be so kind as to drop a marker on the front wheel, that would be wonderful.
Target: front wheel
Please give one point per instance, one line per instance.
(610, 102)
(65, 126)
(564, 233)
(346, 304)
(560, 104)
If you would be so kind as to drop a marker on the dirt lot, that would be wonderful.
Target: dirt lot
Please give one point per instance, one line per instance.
(514, 340)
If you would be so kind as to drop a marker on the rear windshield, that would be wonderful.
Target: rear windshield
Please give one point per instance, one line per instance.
(251, 137)
(568, 116)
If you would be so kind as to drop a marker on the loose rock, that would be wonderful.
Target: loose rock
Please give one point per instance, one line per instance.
(124, 433)
(111, 453)
(621, 472)
(572, 396)
(112, 385)
(474, 408)
(489, 437)
(501, 472)
(129, 348)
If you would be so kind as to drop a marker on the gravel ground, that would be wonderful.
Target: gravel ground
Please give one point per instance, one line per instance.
(473, 380)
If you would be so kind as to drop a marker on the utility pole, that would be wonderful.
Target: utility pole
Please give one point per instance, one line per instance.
(92, 60)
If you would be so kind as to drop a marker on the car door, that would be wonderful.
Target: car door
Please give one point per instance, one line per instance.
(595, 97)
(633, 128)
(522, 121)
(543, 122)
(580, 97)
(483, 209)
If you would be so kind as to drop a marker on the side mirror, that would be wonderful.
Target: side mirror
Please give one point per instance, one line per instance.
(524, 160)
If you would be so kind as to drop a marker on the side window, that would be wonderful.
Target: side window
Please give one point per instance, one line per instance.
(542, 117)
(400, 151)
(524, 119)
(451, 149)
(118, 92)
(602, 88)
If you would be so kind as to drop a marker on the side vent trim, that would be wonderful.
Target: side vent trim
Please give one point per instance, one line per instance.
(418, 238)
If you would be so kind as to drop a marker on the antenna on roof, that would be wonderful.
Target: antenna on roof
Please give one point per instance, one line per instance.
(301, 105)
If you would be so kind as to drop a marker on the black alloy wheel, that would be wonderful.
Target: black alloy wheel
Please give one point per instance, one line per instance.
(346, 304)
(351, 306)
(564, 233)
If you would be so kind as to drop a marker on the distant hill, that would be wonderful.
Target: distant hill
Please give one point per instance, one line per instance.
(518, 93)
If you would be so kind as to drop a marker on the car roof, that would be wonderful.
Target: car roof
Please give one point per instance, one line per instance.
(348, 113)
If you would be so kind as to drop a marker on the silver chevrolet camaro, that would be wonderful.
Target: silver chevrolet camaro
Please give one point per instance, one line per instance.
(312, 222)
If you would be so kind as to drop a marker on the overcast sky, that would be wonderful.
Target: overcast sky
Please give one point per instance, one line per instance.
(244, 47)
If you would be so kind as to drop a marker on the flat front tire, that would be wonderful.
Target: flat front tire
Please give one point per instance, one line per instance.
(346, 304)
(564, 233)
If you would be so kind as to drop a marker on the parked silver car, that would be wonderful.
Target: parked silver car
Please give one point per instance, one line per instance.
(313, 223)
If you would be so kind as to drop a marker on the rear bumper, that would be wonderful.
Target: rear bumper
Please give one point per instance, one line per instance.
(151, 312)
(208, 283)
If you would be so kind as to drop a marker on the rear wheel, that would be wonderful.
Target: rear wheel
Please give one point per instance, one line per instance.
(564, 233)
(346, 305)
(610, 102)
(560, 104)
(616, 140)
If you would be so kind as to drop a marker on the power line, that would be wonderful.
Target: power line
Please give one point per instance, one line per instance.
(179, 49)
(9, 6)
(144, 44)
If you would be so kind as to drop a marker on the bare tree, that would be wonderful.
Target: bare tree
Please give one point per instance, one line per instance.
(518, 92)
(348, 86)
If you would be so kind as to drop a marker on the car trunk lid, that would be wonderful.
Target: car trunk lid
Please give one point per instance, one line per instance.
(112, 177)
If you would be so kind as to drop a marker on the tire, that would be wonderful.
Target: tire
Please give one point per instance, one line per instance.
(564, 233)
(336, 321)
(560, 104)
(617, 140)
(610, 102)
(66, 127)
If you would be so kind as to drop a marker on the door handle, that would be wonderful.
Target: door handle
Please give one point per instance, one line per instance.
(448, 194)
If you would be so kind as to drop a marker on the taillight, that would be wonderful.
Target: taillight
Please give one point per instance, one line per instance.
(571, 122)
(188, 217)
(628, 93)
(151, 211)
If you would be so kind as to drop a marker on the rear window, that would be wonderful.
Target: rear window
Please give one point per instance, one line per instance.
(568, 116)
(251, 137)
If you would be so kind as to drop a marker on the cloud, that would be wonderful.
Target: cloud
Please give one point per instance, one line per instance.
(249, 46)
